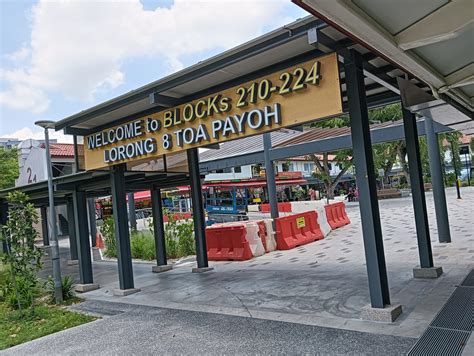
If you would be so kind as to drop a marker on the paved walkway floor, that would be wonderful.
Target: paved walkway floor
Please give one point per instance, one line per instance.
(321, 284)
(138, 330)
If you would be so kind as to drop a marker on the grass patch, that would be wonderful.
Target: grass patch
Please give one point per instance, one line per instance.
(16, 328)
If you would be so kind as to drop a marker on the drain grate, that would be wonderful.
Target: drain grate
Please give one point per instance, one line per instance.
(436, 341)
(452, 326)
(457, 313)
(469, 280)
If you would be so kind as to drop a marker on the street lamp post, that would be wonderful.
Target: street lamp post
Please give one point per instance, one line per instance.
(58, 294)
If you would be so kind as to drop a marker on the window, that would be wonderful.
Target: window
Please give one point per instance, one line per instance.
(330, 166)
(238, 169)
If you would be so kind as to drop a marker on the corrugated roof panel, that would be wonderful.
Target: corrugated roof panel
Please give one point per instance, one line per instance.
(246, 145)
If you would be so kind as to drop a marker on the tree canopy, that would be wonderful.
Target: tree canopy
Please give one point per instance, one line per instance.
(9, 170)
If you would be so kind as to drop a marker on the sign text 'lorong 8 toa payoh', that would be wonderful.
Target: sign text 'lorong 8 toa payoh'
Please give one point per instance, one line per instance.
(298, 94)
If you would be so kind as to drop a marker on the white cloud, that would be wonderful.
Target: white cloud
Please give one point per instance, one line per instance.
(27, 133)
(77, 48)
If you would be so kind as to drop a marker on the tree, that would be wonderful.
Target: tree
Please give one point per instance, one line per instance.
(343, 158)
(9, 170)
(23, 258)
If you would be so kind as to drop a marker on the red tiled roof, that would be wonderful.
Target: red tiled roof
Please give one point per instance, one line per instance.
(63, 149)
(463, 140)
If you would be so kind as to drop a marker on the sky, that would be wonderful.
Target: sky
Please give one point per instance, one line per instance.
(60, 57)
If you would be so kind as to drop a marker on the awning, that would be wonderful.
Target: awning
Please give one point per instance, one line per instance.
(257, 183)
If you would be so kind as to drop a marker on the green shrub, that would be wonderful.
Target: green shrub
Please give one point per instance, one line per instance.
(108, 233)
(23, 259)
(179, 239)
(143, 245)
(67, 287)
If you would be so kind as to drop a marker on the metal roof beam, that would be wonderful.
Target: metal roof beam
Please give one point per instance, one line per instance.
(386, 134)
(436, 27)
(163, 100)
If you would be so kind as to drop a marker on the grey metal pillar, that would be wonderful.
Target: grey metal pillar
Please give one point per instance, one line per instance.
(44, 225)
(270, 175)
(417, 189)
(82, 237)
(366, 183)
(72, 230)
(437, 182)
(158, 227)
(198, 210)
(131, 211)
(122, 234)
(92, 221)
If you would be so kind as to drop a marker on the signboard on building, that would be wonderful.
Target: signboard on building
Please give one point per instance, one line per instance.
(298, 94)
(33, 169)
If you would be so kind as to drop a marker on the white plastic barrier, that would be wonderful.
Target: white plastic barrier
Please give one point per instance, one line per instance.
(253, 208)
(270, 237)
(256, 245)
(323, 221)
(308, 205)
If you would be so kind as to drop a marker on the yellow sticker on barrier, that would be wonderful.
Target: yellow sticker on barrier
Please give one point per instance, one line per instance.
(300, 222)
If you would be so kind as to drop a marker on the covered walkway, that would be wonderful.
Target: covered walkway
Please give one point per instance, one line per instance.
(323, 283)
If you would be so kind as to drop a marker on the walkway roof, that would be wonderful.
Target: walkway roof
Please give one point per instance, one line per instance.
(273, 51)
(316, 140)
(431, 40)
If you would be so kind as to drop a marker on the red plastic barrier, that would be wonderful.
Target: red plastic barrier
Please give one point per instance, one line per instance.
(227, 243)
(283, 207)
(179, 216)
(298, 229)
(336, 215)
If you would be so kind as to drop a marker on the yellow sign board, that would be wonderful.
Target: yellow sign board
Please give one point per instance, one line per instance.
(300, 222)
(298, 94)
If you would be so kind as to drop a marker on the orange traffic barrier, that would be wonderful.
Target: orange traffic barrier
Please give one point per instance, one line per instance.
(336, 215)
(283, 207)
(296, 230)
(227, 243)
(99, 243)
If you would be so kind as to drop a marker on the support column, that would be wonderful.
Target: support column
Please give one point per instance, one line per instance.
(83, 243)
(198, 211)
(72, 233)
(44, 225)
(92, 221)
(159, 232)
(437, 182)
(122, 234)
(426, 269)
(270, 176)
(368, 204)
(131, 211)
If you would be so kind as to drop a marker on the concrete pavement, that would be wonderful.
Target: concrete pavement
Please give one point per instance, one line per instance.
(321, 284)
(142, 330)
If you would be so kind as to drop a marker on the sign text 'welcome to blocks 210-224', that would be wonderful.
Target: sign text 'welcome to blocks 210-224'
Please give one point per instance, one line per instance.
(298, 94)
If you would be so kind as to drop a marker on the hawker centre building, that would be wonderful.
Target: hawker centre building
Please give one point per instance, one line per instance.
(312, 69)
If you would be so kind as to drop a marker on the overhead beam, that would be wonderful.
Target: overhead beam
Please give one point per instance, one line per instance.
(460, 78)
(442, 24)
(163, 100)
